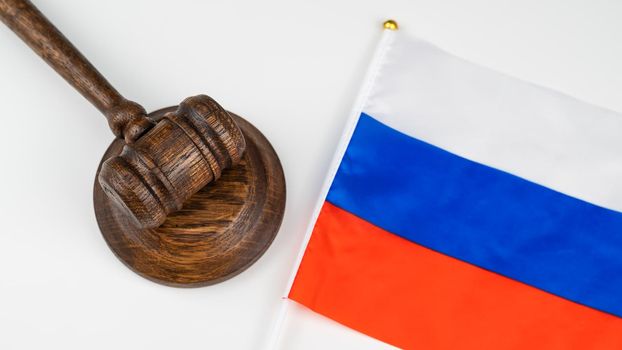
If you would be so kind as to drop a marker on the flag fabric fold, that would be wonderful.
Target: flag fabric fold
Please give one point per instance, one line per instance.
(469, 210)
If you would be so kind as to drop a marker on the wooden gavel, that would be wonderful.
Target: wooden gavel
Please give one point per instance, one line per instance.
(157, 172)
(167, 157)
(162, 164)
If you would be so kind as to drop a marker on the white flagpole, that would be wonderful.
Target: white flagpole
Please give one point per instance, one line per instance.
(390, 26)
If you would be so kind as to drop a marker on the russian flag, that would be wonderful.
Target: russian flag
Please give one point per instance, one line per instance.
(469, 210)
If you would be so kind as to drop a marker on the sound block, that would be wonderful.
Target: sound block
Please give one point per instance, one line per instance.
(219, 232)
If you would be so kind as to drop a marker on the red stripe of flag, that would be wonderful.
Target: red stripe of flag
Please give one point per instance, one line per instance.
(412, 297)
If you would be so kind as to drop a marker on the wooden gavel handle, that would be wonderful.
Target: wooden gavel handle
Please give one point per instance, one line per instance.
(127, 119)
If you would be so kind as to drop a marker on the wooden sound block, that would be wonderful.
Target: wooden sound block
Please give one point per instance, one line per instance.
(219, 232)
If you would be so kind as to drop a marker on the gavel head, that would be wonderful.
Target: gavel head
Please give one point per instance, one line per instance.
(183, 152)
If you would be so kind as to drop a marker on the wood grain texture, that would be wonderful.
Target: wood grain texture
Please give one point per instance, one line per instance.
(188, 148)
(218, 233)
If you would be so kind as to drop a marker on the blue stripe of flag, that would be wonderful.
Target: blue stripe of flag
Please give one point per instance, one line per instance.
(482, 215)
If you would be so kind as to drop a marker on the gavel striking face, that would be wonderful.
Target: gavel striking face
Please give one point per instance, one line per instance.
(167, 160)
(156, 173)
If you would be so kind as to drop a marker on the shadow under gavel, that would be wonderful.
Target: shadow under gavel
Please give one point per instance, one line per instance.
(167, 157)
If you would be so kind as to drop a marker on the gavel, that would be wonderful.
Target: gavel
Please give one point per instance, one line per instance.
(166, 158)
(164, 163)
(162, 166)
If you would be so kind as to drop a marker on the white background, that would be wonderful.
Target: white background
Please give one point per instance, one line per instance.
(290, 67)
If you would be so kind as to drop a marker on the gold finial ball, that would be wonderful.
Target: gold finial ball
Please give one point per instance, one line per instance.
(390, 25)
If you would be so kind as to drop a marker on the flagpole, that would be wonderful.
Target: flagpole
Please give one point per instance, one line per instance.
(390, 26)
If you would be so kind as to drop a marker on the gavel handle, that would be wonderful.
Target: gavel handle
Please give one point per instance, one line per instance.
(127, 119)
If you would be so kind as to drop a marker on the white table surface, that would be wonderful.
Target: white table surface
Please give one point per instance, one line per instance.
(290, 67)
